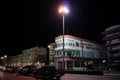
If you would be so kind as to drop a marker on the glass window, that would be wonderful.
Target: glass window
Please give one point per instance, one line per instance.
(55, 54)
(77, 44)
(72, 54)
(58, 54)
(73, 45)
(77, 54)
(66, 54)
(69, 44)
(66, 44)
(69, 54)
(77, 64)
(28, 54)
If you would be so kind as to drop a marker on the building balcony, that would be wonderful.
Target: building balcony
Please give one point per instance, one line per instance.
(111, 31)
(112, 44)
(111, 38)
(115, 64)
(115, 57)
(115, 50)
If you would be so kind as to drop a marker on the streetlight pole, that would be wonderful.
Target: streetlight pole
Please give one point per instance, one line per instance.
(63, 42)
(82, 54)
(4, 60)
(64, 10)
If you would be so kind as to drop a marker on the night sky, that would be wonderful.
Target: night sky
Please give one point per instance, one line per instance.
(30, 23)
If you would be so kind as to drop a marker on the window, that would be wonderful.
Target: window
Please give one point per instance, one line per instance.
(73, 45)
(88, 47)
(66, 44)
(28, 54)
(77, 64)
(73, 53)
(77, 44)
(114, 41)
(69, 44)
(69, 54)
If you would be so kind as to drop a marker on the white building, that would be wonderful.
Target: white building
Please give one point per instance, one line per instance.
(79, 53)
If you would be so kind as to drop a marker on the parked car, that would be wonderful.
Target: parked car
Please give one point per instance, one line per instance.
(28, 70)
(49, 72)
(2, 68)
(10, 69)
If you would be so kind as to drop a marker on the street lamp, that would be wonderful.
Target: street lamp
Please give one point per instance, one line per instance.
(2, 57)
(82, 54)
(5, 56)
(4, 60)
(63, 10)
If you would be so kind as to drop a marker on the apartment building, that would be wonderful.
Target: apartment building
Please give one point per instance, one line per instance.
(32, 56)
(111, 37)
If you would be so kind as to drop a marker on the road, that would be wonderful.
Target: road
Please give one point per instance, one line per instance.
(89, 77)
(9, 76)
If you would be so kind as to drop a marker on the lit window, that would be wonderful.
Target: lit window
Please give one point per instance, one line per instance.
(77, 44)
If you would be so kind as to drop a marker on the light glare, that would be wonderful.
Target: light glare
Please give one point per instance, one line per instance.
(63, 10)
(1, 57)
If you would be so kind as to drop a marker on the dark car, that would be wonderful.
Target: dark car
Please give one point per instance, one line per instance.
(28, 70)
(10, 69)
(49, 72)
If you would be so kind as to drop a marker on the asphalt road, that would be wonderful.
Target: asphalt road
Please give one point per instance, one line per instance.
(10, 76)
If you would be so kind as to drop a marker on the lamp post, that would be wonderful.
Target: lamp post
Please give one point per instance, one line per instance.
(63, 10)
(5, 56)
(4, 60)
(82, 54)
(2, 57)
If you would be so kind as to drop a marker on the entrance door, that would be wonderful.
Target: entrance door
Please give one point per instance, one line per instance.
(60, 65)
(69, 65)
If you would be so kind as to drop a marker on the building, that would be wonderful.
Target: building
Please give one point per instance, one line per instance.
(33, 56)
(111, 36)
(79, 53)
(51, 53)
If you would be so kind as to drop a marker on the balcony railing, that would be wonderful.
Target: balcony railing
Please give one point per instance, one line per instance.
(115, 50)
(111, 31)
(112, 44)
(110, 38)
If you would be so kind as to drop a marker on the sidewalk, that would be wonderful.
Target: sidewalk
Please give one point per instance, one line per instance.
(111, 73)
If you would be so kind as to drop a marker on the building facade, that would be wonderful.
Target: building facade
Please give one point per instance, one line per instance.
(33, 56)
(51, 53)
(111, 36)
(79, 54)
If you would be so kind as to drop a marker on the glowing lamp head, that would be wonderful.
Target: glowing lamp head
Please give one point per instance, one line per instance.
(1, 57)
(5, 56)
(63, 10)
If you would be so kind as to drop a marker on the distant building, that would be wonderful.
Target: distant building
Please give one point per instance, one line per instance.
(32, 56)
(51, 53)
(79, 53)
(112, 38)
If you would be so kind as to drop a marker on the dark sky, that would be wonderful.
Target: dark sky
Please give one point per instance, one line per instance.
(29, 23)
